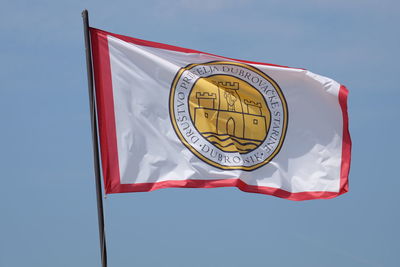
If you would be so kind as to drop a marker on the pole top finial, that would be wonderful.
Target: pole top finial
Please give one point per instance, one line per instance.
(85, 13)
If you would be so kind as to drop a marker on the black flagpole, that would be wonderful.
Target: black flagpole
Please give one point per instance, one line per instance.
(93, 118)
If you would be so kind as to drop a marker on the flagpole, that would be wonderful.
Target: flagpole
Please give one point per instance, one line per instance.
(93, 119)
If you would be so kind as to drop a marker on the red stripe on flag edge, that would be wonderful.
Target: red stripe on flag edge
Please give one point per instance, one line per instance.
(147, 187)
(179, 49)
(346, 142)
(108, 142)
(105, 110)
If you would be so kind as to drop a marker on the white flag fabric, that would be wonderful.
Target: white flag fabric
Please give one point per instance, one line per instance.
(176, 117)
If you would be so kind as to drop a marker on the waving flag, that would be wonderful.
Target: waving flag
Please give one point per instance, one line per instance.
(176, 117)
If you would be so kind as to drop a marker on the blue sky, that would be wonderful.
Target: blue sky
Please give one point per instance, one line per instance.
(47, 193)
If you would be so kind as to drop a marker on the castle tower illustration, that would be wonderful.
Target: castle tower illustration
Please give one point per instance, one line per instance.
(253, 107)
(205, 116)
(255, 120)
(230, 116)
(229, 91)
(228, 121)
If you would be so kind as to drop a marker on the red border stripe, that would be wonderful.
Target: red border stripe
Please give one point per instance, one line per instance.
(105, 110)
(346, 142)
(177, 48)
(147, 187)
(108, 140)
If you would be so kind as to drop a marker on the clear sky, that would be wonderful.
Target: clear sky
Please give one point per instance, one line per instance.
(47, 193)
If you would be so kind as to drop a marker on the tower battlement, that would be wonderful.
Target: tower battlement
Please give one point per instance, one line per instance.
(229, 85)
(252, 103)
(205, 95)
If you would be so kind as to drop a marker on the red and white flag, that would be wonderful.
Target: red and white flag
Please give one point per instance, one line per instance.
(176, 117)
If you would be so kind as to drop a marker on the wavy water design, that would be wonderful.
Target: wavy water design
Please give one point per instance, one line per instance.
(229, 143)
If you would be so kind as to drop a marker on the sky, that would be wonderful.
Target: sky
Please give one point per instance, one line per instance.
(48, 214)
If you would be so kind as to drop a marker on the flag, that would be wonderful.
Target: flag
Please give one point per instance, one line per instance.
(176, 117)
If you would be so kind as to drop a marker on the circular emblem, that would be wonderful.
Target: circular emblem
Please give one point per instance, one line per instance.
(230, 115)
